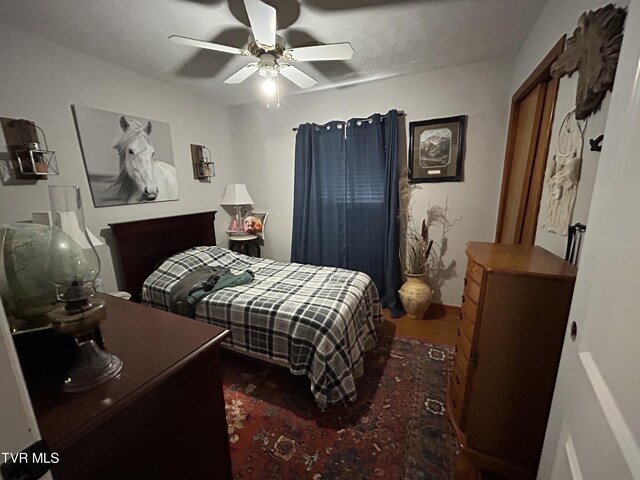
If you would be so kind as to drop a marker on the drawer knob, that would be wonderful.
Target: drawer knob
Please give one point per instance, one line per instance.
(465, 280)
(457, 380)
(475, 269)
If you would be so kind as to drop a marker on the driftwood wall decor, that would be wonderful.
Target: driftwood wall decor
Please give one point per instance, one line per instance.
(593, 51)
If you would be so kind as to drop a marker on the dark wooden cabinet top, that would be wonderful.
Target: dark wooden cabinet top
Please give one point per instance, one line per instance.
(527, 260)
(152, 344)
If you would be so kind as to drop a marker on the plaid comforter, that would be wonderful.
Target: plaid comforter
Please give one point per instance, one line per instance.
(319, 321)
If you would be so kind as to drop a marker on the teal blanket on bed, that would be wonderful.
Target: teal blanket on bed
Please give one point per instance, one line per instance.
(199, 283)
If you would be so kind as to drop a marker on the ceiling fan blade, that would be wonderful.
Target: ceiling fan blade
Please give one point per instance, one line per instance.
(296, 76)
(263, 21)
(332, 51)
(242, 74)
(192, 42)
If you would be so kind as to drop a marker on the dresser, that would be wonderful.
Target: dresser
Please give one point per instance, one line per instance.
(514, 314)
(162, 417)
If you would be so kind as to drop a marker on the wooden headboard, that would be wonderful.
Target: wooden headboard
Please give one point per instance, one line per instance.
(143, 244)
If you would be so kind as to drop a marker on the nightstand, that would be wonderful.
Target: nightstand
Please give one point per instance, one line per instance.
(162, 417)
(247, 244)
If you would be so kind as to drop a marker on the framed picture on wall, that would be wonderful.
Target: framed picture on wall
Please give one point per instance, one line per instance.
(128, 159)
(436, 149)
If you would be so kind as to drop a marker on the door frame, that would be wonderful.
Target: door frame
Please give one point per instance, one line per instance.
(541, 74)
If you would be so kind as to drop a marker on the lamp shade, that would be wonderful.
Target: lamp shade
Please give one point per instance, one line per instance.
(236, 194)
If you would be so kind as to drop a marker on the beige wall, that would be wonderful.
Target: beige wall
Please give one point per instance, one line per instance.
(40, 80)
(264, 141)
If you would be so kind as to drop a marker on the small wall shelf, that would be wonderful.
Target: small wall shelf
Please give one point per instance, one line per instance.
(30, 160)
(37, 163)
(206, 170)
(203, 167)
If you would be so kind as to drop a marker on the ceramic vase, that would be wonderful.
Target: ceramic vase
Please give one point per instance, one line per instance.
(416, 295)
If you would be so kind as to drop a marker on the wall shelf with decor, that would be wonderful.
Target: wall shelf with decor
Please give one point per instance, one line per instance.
(36, 162)
(31, 157)
(203, 167)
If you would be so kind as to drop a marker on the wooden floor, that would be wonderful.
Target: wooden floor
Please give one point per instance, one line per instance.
(439, 325)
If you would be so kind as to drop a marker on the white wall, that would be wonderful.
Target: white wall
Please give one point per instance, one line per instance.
(558, 18)
(265, 142)
(41, 80)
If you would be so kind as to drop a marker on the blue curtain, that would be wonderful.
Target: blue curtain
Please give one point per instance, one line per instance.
(345, 207)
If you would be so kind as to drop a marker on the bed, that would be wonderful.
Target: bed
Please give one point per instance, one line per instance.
(315, 321)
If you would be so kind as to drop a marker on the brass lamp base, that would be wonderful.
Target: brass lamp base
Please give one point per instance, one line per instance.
(93, 366)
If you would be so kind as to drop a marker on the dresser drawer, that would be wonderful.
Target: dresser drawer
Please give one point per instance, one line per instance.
(459, 375)
(471, 290)
(467, 327)
(463, 346)
(470, 309)
(456, 401)
(474, 271)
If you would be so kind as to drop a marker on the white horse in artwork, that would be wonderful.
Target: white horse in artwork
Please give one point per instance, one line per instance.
(142, 178)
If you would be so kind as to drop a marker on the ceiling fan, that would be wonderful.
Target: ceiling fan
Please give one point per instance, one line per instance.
(272, 56)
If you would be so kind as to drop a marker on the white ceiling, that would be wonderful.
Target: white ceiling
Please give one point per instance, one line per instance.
(390, 37)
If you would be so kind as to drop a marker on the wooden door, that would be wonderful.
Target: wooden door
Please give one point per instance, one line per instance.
(524, 153)
(18, 427)
(593, 431)
(532, 109)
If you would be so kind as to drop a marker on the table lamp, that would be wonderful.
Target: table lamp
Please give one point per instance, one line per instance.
(236, 195)
(73, 266)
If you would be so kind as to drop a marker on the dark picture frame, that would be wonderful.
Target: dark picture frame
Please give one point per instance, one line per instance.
(436, 149)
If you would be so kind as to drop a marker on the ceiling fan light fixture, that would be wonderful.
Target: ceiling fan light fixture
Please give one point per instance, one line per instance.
(267, 71)
(269, 49)
(267, 66)
(269, 86)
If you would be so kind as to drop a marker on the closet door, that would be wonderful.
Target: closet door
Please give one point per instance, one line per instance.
(518, 179)
(532, 109)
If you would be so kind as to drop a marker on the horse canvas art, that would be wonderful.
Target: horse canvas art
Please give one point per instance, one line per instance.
(128, 159)
(142, 178)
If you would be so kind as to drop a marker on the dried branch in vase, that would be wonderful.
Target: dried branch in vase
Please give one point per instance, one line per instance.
(419, 246)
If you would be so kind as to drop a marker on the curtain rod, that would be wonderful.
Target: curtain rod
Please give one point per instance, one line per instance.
(400, 114)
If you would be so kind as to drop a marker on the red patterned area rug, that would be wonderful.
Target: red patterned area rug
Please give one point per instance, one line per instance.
(396, 429)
